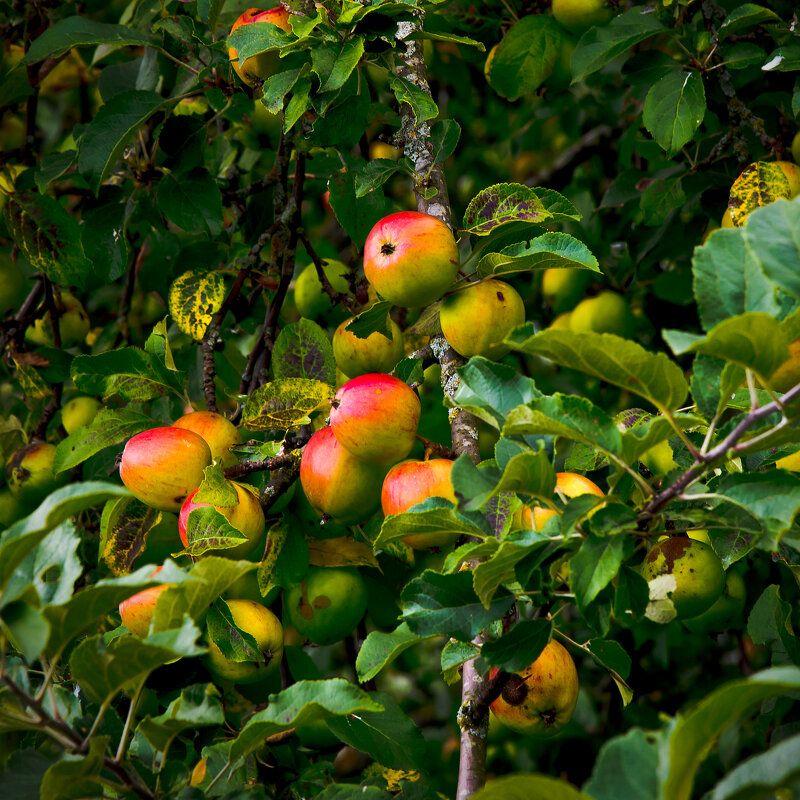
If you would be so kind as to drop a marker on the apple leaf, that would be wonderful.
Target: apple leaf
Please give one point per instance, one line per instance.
(303, 350)
(520, 647)
(548, 251)
(454, 654)
(524, 786)
(744, 18)
(194, 298)
(374, 319)
(649, 431)
(627, 766)
(770, 623)
(343, 551)
(285, 404)
(75, 776)
(375, 173)
(124, 526)
(502, 204)
(777, 224)
(235, 643)
(674, 108)
(421, 102)
(258, 37)
(596, 564)
(760, 184)
(333, 62)
(610, 655)
(380, 649)
(206, 530)
(216, 489)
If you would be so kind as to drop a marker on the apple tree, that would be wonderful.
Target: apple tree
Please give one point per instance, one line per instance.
(400, 399)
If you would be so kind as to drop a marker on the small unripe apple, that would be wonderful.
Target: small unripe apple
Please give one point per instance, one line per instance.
(792, 173)
(726, 610)
(327, 604)
(476, 319)
(561, 322)
(539, 700)
(727, 219)
(11, 508)
(563, 288)
(219, 433)
(310, 299)
(137, 611)
(12, 285)
(30, 475)
(78, 412)
(691, 571)
(606, 313)
(375, 417)
(73, 323)
(161, 466)
(261, 66)
(336, 483)
(411, 482)
(578, 16)
(410, 258)
(796, 147)
(376, 353)
(247, 516)
(265, 628)
(788, 373)
(570, 484)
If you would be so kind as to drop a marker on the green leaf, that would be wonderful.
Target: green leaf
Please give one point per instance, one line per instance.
(334, 62)
(753, 340)
(372, 320)
(380, 649)
(74, 776)
(102, 670)
(258, 37)
(431, 516)
(520, 647)
(277, 86)
(192, 201)
(627, 766)
(601, 45)
(744, 18)
(374, 174)
(108, 133)
(548, 251)
(124, 527)
(674, 108)
(447, 605)
(770, 623)
(610, 358)
(389, 735)
(109, 427)
(303, 350)
(454, 654)
(421, 103)
(771, 233)
(693, 734)
(445, 134)
(357, 215)
(207, 529)
(285, 404)
(524, 786)
(502, 204)
(301, 703)
(525, 56)
(234, 643)
(609, 654)
(79, 32)
(758, 776)
(596, 564)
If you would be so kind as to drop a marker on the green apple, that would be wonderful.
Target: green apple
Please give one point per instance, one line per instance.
(562, 288)
(78, 412)
(796, 147)
(376, 353)
(606, 313)
(578, 16)
(73, 323)
(310, 299)
(11, 508)
(726, 609)
(30, 474)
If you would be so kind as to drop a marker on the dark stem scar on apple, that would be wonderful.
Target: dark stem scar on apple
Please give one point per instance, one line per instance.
(515, 690)
(387, 249)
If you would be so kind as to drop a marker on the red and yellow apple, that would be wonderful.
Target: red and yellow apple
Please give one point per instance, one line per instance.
(161, 466)
(137, 611)
(411, 258)
(569, 484)
(376, 353)
(261, 66)
(219, 433)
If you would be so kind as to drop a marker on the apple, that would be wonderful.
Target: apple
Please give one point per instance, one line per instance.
(246, 516)
(261, 66)
(411, 258)
(476, 319)
(539, 700)
(561, 322)
(219, 433)
(792, 173)
(161, 466)
(30, 475)
(796, 147)
(376, 353)
(692, 570)
(265, 628)
(578, 16)
(12, 285)
(310, 299)
(78, 412)
(727, 608)
(570, 484)
(327, 604)
(380, 149)
(727, 219)
(788, 373)
(137, 611)
(411, 482)
(11, 508)
(606, 313)
(336, 483)
(375, 417)
(562, 288)
(73, 323)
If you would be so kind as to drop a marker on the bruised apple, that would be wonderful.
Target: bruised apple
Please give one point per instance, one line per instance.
(540, 699)
(377, 353)
(161, 466)
(475, 320)
(375, 418)
(327, 604)
(411, 258)
(137, 611)
(219, 433)
(411, 482)
(336, 483)
(261, 66)
(570, 484)
(246, 516)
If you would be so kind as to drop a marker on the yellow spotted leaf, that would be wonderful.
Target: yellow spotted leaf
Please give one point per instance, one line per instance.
(759, 185)
(124, 528)
(31, 382)
(275, 540)
(285, 404)
(194, 298)
(343, 551)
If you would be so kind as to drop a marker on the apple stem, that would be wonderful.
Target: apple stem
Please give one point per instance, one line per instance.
(434, 448)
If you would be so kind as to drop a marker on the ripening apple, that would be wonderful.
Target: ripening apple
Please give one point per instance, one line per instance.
(606, 313)
(327, 604)
(161, 466)
(137, 611)
(570, 484)
(79, 412)
(562, 288)
(411, 482)
(11, 508)
(411, 258)
(375, 417)
(578, 16)
(726, 610)
(476, 319)
(310, 299)
(265, 628)
(376, 353)
(788, 373)
(30, 475)
(73, 323)
(539, 700)
(688, 571)
(336, 483)
(219, 433)
(796, 147)
(247, 516)
(261, 66)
